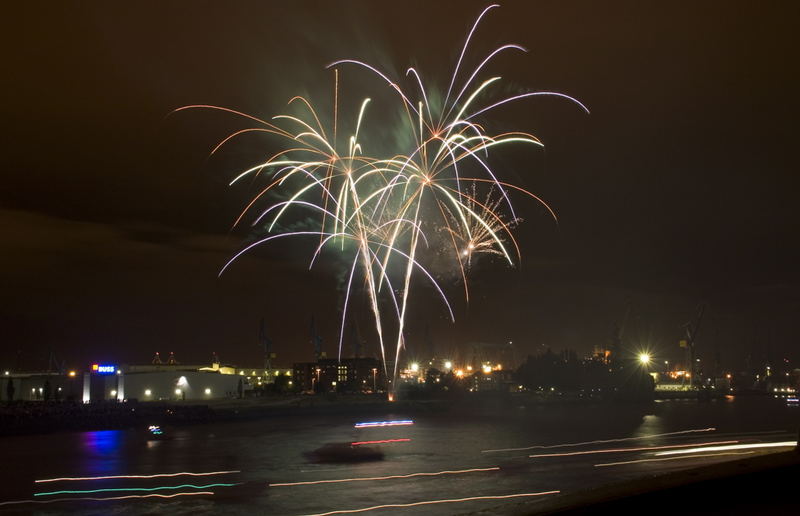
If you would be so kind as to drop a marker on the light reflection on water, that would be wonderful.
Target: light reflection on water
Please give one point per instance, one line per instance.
(271, 450)
(102, 452)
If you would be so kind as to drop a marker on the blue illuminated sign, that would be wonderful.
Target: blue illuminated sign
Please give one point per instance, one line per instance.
(104, 369)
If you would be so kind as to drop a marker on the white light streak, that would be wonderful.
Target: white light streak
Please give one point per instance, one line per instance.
(568, 445)
(159, 475)
(618, 450)
(782, 444)
(432, 502)
(389, 477)
(671, 458)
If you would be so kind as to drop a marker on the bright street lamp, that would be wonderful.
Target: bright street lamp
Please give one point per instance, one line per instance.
(644, 358)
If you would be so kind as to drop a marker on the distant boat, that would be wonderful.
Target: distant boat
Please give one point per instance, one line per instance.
(344, 452)
(157, 433)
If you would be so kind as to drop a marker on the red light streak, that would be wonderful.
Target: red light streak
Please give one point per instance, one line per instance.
(384, 441)
(390, 477)
(615, 450)
(160, 475)
(432, 502)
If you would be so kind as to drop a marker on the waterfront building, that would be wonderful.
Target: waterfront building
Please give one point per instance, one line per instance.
(348, 375)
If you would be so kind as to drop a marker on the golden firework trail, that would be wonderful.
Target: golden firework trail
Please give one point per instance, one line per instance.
(373, 209)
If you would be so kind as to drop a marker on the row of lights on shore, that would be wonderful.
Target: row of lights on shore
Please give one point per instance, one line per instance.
(448, 365)
(178, 392)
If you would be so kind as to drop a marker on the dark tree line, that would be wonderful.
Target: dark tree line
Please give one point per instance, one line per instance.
(564, 372)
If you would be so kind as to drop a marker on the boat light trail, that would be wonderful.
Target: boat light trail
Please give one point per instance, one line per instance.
(117, 489)
(370, 424)
(384, 441)
(127, 497)
(616, 450)
(432, 502)
(159, 475)
(390, 477)
(671, 458)
(599, 442)
(782, 444)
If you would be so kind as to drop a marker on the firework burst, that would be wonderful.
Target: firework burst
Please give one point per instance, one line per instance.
(373, 209)
(478, 239)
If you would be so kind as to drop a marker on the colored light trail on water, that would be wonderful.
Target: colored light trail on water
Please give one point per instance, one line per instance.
(383, 441)
(435, 502)
(109, 498)
(603, 441)
(619, 450)
(134, 477)
(404, 422)
(388, 477)
(782, 444)
(671, 458)
(120, 489)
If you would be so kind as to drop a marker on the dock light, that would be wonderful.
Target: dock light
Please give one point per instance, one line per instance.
(178, 392)
(208, 391)
(7, 373)
(487, 369)
(71, 374)
(448, 364)
(644, 358)
(415, 367)
(459, 373)
(113, 393)
(147, 392)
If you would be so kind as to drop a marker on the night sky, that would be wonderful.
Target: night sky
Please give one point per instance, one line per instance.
(679, 189)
